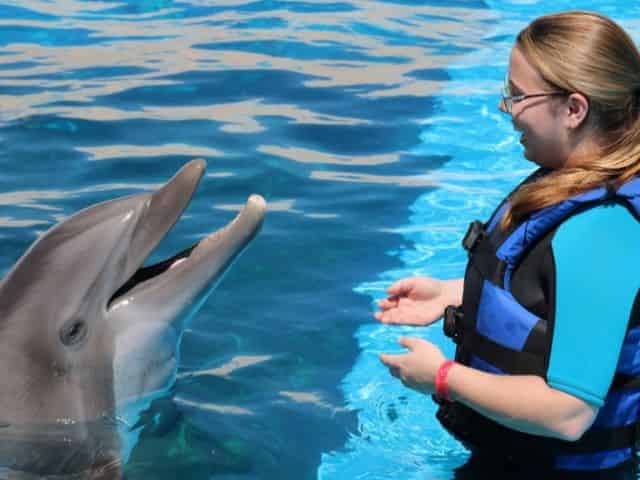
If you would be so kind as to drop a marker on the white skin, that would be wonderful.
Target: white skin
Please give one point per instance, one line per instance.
(554, 135)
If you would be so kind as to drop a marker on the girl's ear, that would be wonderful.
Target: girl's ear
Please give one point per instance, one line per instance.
(578, 109)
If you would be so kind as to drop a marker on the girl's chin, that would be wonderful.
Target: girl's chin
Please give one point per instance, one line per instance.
(529, 155)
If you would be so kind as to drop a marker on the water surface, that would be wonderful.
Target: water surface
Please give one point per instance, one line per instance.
(371, 129)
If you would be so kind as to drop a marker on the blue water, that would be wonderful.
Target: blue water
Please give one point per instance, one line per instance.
(370, 127)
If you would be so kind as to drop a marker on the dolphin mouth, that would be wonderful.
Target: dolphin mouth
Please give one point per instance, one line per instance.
(145, 274)
(198, 264)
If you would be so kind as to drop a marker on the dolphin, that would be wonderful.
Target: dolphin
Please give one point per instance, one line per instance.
(88, 336)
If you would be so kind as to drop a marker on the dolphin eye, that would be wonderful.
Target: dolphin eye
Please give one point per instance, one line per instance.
(73, 332)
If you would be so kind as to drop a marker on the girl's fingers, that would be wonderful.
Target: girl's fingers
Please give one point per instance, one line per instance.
(388, 303)
(409, 342)
(401, 287)
(389, 360)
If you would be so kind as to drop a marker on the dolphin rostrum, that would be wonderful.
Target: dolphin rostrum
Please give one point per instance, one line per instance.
(88, 335)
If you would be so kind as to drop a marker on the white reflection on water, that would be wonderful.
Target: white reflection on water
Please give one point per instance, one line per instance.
(161, 44)
(236, 117)
(6, 222)
(236, 363)
(304, 155)
(446, 181)
(124, 151)
(212, 407)
(44, 199)
(312, 398)
(326, 49)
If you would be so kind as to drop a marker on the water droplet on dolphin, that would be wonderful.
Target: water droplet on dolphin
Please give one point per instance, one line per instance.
(176, 263)
(127, 217)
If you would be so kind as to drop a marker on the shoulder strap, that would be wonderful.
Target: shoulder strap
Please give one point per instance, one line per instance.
(482, 239)
(543, 221)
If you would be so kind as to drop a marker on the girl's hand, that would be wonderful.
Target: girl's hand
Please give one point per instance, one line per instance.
(419, 300)
(416, 369)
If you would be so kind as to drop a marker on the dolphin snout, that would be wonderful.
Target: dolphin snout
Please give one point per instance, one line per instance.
(257, 202)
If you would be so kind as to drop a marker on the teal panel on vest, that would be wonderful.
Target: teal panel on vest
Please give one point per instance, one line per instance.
(597, 257)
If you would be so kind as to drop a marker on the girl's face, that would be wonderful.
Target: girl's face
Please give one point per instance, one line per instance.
(541, 118)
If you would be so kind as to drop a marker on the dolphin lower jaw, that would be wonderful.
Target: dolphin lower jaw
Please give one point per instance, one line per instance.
(211, 257)
(146, 361)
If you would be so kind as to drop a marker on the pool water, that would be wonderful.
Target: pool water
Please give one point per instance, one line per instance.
(371, 127)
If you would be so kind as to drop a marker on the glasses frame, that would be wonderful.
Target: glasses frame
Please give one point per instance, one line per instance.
(509, 99)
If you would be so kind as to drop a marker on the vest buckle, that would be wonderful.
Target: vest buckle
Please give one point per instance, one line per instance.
(474, 234)
(452, 319)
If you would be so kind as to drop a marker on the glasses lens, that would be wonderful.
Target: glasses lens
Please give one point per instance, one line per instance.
(506, 93)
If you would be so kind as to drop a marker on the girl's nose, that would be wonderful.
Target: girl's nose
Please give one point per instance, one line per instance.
(502, 107)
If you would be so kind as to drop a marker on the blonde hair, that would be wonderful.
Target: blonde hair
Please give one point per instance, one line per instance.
(590, 54)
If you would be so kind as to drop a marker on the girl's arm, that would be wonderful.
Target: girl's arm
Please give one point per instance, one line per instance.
(520, 402)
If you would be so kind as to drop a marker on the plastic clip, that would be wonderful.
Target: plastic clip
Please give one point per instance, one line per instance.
(452, 317)
(474, 234)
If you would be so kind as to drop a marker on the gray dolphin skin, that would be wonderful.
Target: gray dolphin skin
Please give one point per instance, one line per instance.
(88, 337)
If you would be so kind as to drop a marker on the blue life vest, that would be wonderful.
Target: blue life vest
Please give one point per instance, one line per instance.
(496, 333)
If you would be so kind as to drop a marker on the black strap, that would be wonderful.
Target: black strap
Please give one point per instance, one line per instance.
(508, 360)
(485, 261)
(627, 382)
(538, 340)
(611, 190)
(634, 319)
(603, 439)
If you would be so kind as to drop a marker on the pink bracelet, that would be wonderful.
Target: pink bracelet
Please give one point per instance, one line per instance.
(442, 389)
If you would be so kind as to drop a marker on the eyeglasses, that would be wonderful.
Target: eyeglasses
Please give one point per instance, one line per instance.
(509, 99)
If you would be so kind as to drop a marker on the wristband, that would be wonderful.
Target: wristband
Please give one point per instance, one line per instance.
(442, 389)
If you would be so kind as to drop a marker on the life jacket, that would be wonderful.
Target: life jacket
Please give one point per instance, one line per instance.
(496, 333)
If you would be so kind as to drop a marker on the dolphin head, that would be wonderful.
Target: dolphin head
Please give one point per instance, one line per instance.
(83, 325)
